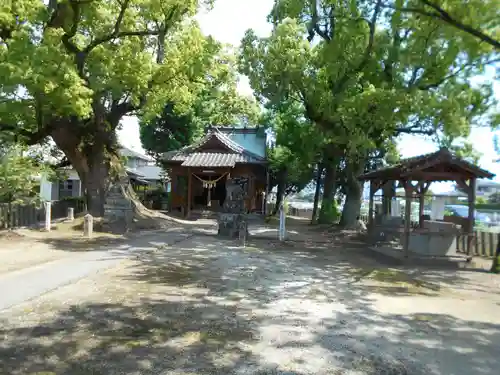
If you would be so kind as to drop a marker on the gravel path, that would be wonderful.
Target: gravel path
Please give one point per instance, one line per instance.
(204, 306)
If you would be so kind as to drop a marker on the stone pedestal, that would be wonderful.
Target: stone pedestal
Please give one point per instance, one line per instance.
(233, 219)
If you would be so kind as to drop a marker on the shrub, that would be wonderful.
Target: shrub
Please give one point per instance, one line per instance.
(329, 213)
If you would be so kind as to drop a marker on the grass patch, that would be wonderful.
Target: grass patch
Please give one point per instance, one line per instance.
(423, 317)
(389, 280)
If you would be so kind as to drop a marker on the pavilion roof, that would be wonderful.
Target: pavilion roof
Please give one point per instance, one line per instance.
(441, 165)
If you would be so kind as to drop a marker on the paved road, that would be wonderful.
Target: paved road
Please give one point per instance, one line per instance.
(19, 286)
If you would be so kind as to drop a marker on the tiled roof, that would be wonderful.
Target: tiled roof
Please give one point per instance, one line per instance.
(210, 159)
(194, 155)
(215, 159)
(133, 172)
(224, 139)
(150, 172)
(125, 151)
(406, 167)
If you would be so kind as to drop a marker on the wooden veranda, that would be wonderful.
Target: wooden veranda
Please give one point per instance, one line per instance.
(416, 174)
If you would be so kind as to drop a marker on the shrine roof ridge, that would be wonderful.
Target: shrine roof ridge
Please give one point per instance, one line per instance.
(193, 155)
(418, 167)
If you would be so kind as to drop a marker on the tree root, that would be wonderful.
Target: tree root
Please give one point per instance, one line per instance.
(135, 218)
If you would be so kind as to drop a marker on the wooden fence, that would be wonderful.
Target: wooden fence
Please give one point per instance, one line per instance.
(484, 244)
(25, 215)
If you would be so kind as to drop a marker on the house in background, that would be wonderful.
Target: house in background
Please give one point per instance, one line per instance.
(143, 168)
(140, 169)
(486, 188)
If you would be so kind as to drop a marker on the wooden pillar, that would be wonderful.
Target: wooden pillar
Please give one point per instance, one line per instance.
(388, 194)
(406, 235)
(190, 177)
(370, 205)
(266, 191)
(423, 187)
(472, 209)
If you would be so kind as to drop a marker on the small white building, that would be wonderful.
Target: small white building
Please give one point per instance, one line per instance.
(139, 167)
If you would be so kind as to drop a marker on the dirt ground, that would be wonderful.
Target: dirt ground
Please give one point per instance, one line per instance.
(206, 306)
(24, 248)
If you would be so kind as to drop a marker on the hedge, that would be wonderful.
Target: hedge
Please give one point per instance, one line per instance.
(484, 206)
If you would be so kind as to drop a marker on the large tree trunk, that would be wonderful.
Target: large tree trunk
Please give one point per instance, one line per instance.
(92, 161)
(280, 191)
(354, 192)
(317, 193)
(329, 188)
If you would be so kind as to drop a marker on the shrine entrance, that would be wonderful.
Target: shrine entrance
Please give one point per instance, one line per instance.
(199, 172)
(209, 190)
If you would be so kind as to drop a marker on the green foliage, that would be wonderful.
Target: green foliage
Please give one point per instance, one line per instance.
(341, 81)
(462, 148)
(71, 70)
(481, 200)
(329, 212)
(74, 199)
(495, 268)
(484, 206)
(448, 213)
(286, 207)
(285, 167)
(428, 197)
(494, 198)
(168, 132)
(18, 175)
(218, 103)
(115, 58)
(365, 72)
(298, 146)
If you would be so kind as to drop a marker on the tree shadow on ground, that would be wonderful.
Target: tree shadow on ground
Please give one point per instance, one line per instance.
(208, 306)
(76, 242)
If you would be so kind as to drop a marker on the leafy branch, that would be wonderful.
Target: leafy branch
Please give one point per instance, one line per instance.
(442, 15)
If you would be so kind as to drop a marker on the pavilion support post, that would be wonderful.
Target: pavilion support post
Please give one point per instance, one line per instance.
(388, 194)
(190, 182)
(472, 209)
(265, 198)
(406, 235)
(370, 205)
(423, 187)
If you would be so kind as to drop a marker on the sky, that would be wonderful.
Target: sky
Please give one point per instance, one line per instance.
(229, 20)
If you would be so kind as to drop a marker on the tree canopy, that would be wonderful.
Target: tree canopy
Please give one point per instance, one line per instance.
(217, 103)
(72, 69)
(365, 72)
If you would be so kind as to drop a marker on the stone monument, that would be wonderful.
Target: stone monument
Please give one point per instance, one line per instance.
(232, 221)
(118, 207)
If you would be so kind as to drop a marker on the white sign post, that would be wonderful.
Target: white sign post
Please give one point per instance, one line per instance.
(48, 215)
(282, 230)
